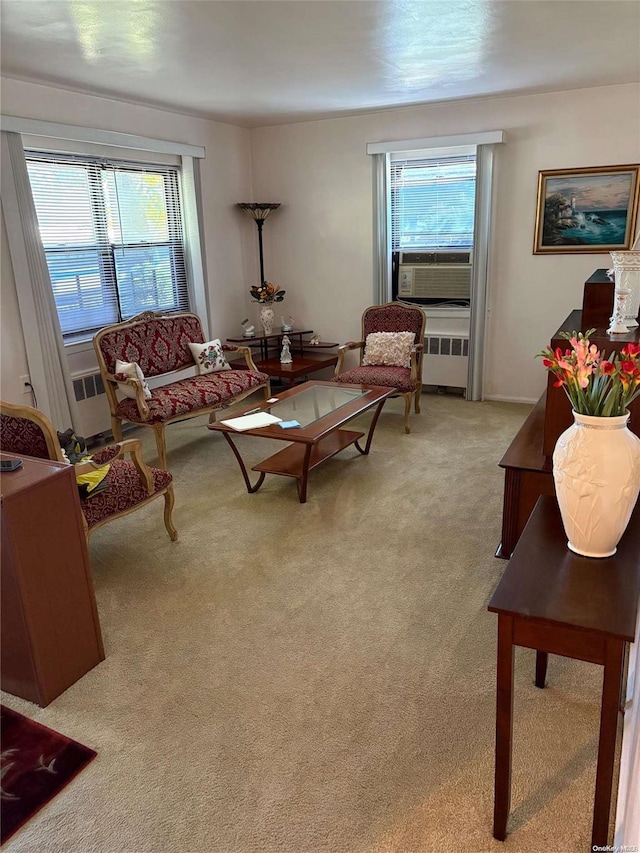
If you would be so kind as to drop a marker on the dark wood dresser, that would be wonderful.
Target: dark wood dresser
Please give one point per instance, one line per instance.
(527, 462)
(50, 630)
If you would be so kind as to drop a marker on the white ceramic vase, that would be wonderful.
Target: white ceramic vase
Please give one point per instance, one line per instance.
(626, 268)
(266, 318)
(596, 469)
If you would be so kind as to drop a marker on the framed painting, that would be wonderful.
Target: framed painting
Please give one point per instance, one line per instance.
(586, 210)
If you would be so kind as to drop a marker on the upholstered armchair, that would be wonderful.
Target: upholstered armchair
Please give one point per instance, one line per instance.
(390, 353)
(130, 485)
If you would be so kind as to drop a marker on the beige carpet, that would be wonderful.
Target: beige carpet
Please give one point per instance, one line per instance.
(318, 677)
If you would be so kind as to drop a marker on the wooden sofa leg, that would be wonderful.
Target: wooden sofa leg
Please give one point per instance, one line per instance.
(407, 412)
(161, 444)
(267, 391)
(418, 395)
(169, 500)
(116, 429)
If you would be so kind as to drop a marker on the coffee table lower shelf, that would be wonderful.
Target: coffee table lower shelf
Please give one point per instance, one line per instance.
(290, 462)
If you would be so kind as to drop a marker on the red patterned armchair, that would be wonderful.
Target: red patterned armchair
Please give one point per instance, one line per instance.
(390, 353)
(157, 345)
(129, 484)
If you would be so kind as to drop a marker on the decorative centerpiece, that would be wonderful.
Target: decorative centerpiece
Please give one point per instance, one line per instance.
(596, 462)
(266, 295)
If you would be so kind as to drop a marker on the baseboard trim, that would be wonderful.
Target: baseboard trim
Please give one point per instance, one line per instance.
(499, 398)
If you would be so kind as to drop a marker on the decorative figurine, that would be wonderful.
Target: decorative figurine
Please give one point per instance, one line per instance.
(287, 325)
(285, 355)
(618, 326)
(315, 340)
(249, 330)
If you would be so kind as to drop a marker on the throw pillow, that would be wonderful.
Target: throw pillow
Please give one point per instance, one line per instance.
(390, 348)
(209, 357)
(133, 370)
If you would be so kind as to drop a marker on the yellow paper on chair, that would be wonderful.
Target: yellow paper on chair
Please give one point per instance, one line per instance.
(92, 482)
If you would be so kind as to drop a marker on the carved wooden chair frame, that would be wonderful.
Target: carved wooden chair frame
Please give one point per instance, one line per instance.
(131, 446)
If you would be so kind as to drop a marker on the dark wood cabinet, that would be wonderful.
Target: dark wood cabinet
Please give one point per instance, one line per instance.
(528, 460)
(50, 630)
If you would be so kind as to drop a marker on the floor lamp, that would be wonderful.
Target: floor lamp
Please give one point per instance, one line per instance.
(258, 211)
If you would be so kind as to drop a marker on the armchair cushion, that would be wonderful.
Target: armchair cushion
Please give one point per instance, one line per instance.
(390, 348)
(124, 491)
(22, 436)
(209, 357)
(196, 392)
(386, 375)
(132, 370)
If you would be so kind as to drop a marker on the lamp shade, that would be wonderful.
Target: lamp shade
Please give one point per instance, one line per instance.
(258, 210)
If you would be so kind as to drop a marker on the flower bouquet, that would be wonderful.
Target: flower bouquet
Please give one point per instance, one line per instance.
(596, 386)
(267, 292)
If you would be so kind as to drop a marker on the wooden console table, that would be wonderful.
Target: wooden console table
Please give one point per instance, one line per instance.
(557, 602)
(307, 358)
(50, 629)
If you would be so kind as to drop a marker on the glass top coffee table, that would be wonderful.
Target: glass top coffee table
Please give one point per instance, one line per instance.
(322, 409)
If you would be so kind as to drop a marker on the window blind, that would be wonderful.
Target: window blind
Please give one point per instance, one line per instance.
(432, 203)
(113, 239)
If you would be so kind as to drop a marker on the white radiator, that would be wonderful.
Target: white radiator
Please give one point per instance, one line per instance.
(445, 361)
(91, 402)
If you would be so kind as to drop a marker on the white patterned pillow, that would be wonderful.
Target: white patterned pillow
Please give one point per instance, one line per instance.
(390, 348)
(209, 357)
(133, 370)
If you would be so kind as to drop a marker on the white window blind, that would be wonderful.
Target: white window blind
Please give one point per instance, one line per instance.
(113, 239)
(432, 203)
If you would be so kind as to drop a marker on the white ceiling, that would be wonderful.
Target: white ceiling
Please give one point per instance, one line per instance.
(261, 62)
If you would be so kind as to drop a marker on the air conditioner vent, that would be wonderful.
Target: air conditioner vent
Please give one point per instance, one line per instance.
(445, 257)
(432, 281)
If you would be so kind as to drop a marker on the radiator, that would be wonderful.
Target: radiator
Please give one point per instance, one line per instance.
(445, 361)
(91, 404)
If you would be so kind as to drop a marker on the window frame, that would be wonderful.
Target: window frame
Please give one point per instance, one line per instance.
(106, 248)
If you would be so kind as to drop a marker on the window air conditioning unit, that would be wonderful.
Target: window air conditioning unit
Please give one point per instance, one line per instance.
(442, 275)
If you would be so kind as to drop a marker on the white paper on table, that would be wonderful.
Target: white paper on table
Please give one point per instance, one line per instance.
(244, 422)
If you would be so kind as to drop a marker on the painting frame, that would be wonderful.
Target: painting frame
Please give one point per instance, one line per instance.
(598, 216)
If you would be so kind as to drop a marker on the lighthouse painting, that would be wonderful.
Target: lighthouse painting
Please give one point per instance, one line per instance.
(586, 210)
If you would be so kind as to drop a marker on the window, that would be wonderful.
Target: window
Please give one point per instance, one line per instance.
(113, 239)
(432, 203)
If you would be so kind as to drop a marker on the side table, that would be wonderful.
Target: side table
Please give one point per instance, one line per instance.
(557, 602)
(307, 358)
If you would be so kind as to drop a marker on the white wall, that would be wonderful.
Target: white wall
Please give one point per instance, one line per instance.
(229, 237)
(13, 357)
(318, 245)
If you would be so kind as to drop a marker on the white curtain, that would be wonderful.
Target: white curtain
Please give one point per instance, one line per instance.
(381, 229)
(480, 270)
(48, 368)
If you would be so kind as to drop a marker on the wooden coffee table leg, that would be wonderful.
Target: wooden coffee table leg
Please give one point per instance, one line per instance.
(251, 489)
(365, 452)
(302, 481)
(610, 709)
(504, 726)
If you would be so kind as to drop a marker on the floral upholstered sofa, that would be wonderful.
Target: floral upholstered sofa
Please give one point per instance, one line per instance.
(158, 346)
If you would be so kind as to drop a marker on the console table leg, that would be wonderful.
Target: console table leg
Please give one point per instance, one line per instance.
(612, 685)
(504, 726)
(541, 668)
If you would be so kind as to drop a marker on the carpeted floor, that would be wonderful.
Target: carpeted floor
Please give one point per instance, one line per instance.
(317, 678)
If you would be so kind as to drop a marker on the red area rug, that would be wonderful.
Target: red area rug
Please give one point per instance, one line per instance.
(37, 763)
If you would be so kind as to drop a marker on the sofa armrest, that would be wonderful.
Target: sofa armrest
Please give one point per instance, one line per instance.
(136, 384)
(245, 351)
